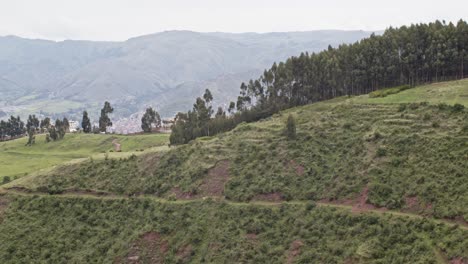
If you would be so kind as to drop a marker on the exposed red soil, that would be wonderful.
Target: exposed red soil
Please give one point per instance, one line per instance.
(252, 238)
(358, 204)
(362, 204)
(294, 251)
(269, 197)
(413, 205)
(182, 195)
(149, 248)
(299, 169)
(213, 185)
(184, 253)
(458, 261)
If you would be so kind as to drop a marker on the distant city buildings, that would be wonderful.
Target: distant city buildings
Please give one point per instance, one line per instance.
(74, 126)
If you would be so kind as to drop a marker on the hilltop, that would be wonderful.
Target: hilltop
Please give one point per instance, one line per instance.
(367, 179)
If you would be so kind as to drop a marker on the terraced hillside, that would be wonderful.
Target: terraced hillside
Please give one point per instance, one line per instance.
(367, 180)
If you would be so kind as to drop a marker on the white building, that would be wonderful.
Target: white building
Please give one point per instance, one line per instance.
(74, 125)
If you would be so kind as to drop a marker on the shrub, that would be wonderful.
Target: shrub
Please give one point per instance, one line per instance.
(401, 107)
(426, 117)
(442, 106)
(291, 127)
(381, 152)
(388, 91)
(458, 108)
(6, 180)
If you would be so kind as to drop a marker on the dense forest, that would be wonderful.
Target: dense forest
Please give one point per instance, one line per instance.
(409, 55)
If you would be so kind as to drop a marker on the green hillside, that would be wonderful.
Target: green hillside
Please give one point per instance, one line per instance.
(399, 156)
(366, 180)
(17, 159)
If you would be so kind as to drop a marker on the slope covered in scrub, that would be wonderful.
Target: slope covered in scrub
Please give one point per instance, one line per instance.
(143, 230)
(398, 155)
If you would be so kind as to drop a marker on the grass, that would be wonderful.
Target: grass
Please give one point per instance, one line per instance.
(446, 92)
(17, 159)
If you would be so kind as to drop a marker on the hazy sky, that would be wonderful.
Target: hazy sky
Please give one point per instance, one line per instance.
(122, 19)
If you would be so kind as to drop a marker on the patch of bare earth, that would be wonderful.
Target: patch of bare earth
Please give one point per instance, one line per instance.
(294, 251)
(458, 261)
(149, 248)
(179, 194)
(298, 168)
(361, 204)
(413, 205)
(252, 239)
(269, 197)
(213, 185)
(184, 254)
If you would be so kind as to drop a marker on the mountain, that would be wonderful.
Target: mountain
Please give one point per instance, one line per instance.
(166, 70)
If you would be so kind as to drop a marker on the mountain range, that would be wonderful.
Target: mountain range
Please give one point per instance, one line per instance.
(165, 70)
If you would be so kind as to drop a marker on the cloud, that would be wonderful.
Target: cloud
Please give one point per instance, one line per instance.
(122, 19)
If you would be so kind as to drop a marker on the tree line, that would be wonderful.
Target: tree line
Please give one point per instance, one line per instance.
(409, 55)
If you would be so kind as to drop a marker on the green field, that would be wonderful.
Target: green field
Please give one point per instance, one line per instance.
(17, 159)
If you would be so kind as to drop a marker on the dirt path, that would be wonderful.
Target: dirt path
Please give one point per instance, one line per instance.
(350, 208)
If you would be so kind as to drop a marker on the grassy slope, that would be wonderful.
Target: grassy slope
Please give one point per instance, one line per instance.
(16, 159)
(403, 155)
(447, 92)
(410, 157)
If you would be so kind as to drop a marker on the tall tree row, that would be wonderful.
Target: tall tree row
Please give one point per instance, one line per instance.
(413, 55)
(409, 55)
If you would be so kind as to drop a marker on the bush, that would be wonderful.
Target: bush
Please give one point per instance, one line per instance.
(388, 91)
(401, 107)
(458, 108)
(291, 127)
(381, 152)
(6, 180)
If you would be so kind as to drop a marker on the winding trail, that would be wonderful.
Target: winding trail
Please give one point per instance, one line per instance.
(349, 208)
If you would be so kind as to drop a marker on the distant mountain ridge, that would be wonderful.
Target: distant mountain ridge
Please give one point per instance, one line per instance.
(165, 69)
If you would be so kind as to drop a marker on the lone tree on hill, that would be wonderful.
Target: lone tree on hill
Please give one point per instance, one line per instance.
(291, 127)
(86, 123)
(104, 120)
(149, 118)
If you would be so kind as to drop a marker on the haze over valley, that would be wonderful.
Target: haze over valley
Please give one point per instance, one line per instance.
(164, 70)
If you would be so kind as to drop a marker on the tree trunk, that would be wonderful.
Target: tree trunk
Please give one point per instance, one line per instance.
(462, 70)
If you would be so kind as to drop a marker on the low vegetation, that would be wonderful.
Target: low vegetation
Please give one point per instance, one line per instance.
(399, 156)
(91, 230)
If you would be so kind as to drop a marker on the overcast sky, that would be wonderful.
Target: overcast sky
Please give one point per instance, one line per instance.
(122, 19)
